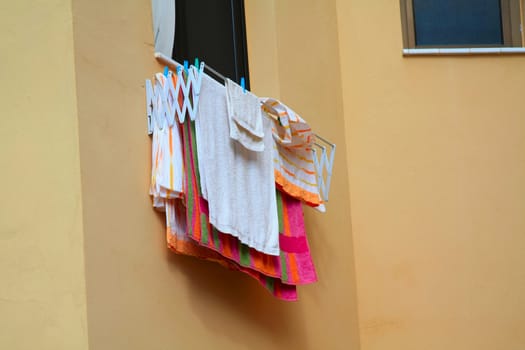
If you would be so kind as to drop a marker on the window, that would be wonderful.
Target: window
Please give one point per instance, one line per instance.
(215, 32)
(462, 23)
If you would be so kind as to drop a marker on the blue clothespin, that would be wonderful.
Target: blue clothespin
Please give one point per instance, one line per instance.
(166, 71)
(197, 62)
(186, 66)
(243, 85)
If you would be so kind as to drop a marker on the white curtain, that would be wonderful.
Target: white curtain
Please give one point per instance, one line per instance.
(163, 12)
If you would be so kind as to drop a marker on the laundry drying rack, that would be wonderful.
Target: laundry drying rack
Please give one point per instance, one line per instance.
(324, 150)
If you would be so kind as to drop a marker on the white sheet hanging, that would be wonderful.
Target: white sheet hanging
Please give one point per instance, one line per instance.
(163, 13)
(239, 184)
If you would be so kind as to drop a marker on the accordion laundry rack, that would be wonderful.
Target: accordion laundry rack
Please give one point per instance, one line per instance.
(225, 201)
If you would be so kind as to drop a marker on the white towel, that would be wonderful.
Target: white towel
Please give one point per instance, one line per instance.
(295, 171)
(240, 184)
(244, 117)
(167, 175)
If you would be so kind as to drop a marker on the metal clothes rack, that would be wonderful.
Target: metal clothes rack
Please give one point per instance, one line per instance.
(323, 161)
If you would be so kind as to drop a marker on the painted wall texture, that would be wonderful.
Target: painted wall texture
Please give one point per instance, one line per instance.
(42, 291)
(437, 181)
(427, 196)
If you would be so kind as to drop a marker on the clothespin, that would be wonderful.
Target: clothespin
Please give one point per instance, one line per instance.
(186, 66)
(166, 71)
(243, 84)
(196, 62)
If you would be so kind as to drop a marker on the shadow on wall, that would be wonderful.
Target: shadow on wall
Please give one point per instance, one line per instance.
(242, 300)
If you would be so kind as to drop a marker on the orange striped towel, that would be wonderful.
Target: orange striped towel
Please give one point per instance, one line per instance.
(293, 160)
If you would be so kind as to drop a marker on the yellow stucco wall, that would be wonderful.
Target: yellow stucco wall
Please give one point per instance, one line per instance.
(141, 296)
(428, 188)
(310, 83)
(437, 179)
(42, 292)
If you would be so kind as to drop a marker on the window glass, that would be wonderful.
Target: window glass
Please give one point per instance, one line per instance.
(457, 22)
(215, 32)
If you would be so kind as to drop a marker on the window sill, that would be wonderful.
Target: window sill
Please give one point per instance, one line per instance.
(464, 51)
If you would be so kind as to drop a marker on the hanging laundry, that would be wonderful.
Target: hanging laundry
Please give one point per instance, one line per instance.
(171, 173)
(297, 266)
(295, 171)
(177, 228)
(167, 167)
(179, 243)
(294, 265)
(239, 184)
(244, 117)
(200, 230)
(231, 180)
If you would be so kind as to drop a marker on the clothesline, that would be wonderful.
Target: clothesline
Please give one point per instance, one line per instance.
(323, 162)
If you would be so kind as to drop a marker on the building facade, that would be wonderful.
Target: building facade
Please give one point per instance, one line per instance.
(420, 248)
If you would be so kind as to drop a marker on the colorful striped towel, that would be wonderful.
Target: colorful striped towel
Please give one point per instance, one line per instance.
(199, 227)
(179, 242)
(167, 169)
(294, 165)
(293, 266)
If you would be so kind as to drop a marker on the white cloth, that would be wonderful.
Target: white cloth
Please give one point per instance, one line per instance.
(244, 117)
(163, 13)
(295, 171)
(240, 184)
(167, 170)
(200, 153)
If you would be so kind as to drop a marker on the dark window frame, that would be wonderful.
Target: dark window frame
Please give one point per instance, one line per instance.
(239, 38)
(511, 13)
